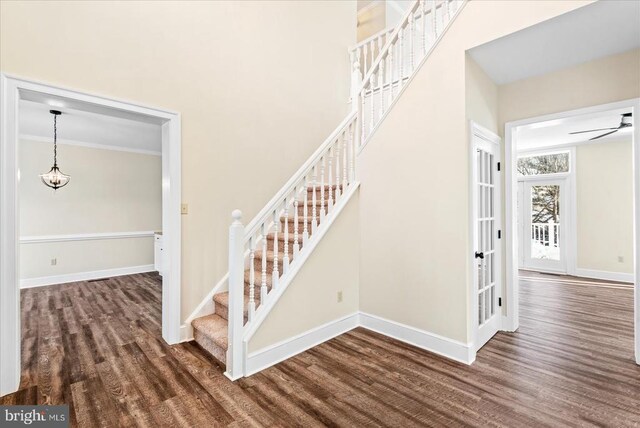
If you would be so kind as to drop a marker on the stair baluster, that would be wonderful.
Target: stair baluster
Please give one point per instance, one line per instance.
(434, 20)
(314, 214)
(275, 274)
(252, 279)
(322, 198)
(296, 243)
(345, 148)
(330, 202)
(263, 285)
(337, 155)
(305, 232)
(285, 257)
(423, 24)
(352, 155)
(412, 25)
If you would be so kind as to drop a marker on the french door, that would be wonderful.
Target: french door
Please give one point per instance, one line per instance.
(542, 206)
(486, 234)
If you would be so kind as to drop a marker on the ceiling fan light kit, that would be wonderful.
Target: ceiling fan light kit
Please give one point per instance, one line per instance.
(625, 122)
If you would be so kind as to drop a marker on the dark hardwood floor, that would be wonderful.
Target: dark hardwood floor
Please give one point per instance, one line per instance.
(97, 346)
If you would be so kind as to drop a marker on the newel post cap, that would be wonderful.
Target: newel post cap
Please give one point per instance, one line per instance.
(237, 215)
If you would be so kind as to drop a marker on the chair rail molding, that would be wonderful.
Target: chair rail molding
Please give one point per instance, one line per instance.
(38, 239)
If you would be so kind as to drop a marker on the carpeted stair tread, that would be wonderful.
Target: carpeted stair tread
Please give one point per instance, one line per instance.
(210, 332)
(221, 301)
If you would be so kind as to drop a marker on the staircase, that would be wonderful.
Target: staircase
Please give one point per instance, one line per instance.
(210, 331)
(266, 254)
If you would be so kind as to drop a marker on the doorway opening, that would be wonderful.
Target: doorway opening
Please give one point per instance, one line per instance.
(573, 203)
(24, 100)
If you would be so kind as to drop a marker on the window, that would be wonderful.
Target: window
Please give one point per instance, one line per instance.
(551, 163)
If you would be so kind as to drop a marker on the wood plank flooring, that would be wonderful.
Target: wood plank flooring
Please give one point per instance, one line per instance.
(97, 346)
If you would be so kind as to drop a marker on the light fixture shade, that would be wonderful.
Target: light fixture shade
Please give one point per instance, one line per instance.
(55, 178)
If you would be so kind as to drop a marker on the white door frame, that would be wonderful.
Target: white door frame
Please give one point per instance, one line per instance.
(478, 131)
(511, 321)
(11, 89)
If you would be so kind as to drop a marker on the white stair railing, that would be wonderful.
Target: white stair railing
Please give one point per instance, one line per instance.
(365, 53)
(406, 48)
(291, 219)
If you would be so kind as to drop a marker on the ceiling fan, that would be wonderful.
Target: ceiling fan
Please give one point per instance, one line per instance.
(625, 122)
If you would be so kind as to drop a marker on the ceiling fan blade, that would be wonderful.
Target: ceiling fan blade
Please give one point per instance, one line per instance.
(592, 130)
(603, 135)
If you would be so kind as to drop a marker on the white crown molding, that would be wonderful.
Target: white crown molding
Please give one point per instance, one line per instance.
(84, 276)
(84, 237)
(39, 139)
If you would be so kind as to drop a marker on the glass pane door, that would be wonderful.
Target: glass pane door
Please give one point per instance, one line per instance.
(545, 222)
(543, 231)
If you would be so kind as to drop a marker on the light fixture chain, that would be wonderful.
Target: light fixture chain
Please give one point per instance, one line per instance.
(55, 140)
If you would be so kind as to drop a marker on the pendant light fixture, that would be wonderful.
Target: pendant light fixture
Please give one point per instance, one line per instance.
(55, 178)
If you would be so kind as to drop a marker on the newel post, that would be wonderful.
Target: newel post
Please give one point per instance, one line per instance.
(236, 296)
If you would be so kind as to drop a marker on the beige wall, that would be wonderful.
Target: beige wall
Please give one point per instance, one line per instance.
(602, 81)
(259, 86)
(604, 190)
(481, 96)
(416, 255)
(110, 191)
(311, 298)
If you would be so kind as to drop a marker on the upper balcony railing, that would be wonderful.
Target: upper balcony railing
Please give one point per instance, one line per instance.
(404, 51)
(366, 52)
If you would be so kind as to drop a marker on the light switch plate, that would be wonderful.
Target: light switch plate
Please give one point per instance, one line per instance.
(184, 209)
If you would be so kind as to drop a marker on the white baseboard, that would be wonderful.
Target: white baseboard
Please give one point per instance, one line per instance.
(267, 357)
(186, 332)
(605, 275)
(274, 354)
(84, 276)
(431, 342)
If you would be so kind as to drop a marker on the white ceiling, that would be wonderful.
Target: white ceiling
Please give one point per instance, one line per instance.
(554, 133)
(603, 28)
(87, 125)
